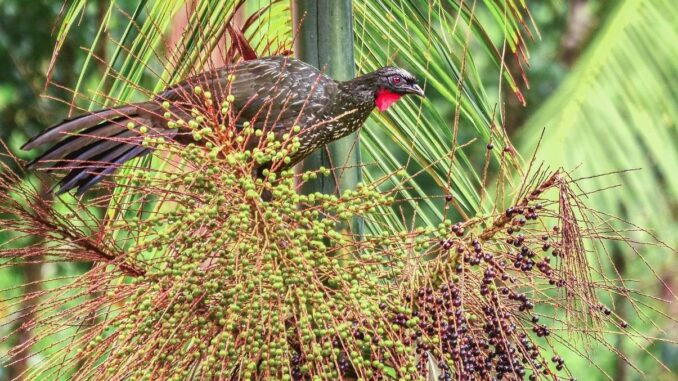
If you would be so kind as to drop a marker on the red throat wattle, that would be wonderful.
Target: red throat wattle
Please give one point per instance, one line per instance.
(385, 98)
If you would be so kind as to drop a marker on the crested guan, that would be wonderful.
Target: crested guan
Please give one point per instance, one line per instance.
(273, 94)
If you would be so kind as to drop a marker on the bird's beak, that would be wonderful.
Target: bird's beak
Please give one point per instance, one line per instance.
(416, 90)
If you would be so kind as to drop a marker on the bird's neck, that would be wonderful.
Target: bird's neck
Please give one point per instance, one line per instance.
(359, 91)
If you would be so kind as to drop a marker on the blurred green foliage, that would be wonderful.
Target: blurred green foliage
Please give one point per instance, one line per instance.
(26, 44)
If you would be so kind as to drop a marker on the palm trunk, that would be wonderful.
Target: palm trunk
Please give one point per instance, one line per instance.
(325, 40)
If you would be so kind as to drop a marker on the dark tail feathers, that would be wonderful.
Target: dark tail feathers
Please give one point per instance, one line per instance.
(91, 146)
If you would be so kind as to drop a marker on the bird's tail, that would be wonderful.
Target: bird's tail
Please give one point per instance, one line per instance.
(92, 146)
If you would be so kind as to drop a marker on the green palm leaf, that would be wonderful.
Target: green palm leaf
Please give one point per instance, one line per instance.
(435, 43)
(437, 40)
(617, 111)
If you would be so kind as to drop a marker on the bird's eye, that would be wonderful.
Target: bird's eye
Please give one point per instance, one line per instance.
(396, 79)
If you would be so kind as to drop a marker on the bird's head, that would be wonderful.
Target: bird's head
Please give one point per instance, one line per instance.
(391, 84)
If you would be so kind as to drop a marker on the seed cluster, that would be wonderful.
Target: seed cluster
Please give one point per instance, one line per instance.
(236, 287)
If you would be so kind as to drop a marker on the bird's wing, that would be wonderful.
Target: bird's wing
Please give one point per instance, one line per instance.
(270, 93)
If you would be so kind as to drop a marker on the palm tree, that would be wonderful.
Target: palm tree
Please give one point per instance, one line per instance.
(431, 207)
(384, 33)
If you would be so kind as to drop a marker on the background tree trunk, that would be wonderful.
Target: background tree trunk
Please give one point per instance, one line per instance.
(325, 40)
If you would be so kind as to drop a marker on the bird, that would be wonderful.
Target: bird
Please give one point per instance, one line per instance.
(274, 94)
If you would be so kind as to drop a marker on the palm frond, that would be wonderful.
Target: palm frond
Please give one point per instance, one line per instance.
(143, 57)
(438, 45)
(384, 32)
(617, 111)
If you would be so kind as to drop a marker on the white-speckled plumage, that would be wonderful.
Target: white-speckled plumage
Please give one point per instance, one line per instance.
(272, 94)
